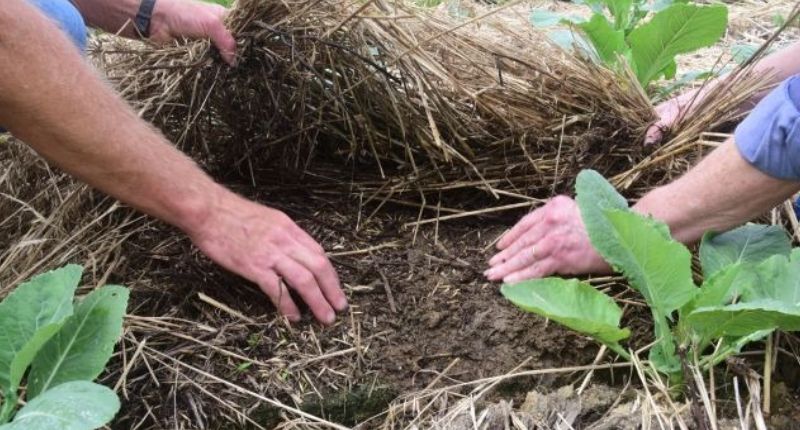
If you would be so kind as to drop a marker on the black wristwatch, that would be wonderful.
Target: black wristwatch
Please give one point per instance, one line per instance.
(142, 20)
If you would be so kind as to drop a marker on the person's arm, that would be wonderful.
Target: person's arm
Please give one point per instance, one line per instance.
(170, 19)
(721, 192)
(52, 100)
(778, 66)
(747, 175)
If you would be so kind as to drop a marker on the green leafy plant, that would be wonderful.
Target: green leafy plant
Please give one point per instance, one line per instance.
(646, 36)
(62, 347)
(751, 284)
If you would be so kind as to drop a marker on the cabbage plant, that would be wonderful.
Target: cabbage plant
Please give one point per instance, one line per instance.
(751, 284)
(62, 347)
(647, 35)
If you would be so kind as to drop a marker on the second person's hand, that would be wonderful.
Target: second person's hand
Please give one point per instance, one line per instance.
(550, 240)
(193, 19)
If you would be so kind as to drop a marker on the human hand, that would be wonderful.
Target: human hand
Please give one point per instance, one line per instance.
(194, 20)
(549, 240)
(669, 113)
(266, 247)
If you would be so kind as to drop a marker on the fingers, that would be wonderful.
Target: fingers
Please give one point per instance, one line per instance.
(539, 269)
(304, 282)
(533, 235)
(325, 275)
(279, 295)
(223, 40)
(520, 228)
(523, 258)
(654, 134)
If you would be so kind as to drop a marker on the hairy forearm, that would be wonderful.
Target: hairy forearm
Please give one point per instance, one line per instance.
(51, 99)
(721, 192)
(113, 16)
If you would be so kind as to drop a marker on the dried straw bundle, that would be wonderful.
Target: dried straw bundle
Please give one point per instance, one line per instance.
(429, 105)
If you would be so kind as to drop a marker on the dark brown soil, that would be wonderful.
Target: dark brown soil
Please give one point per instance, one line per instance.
(441, 308)
(418, 306)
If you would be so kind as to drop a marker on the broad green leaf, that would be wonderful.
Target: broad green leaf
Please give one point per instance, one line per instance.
(78, 405)
(659, 268)
(621, 11)
(595, 5)
(83, 346)
(722, 287)
(670, 71)
(657, 5)
(571, 303)
(771, 302)
(594, 194)
(607, 41)
(751, 243)
(655, 265)
(545, 18)
(744, 319)
(29, 316)
(778, 278)
(677, 29)
(568, 40)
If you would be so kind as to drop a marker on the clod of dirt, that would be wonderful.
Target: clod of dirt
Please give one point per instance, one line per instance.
(558, 409)
(627, 416)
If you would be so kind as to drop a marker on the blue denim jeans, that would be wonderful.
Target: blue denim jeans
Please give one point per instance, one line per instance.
(67, 17)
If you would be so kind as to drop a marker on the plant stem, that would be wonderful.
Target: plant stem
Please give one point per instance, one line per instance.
(619, 350)
(765, 408)
(10, 401)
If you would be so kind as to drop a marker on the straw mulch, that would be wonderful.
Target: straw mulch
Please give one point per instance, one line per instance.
(425, 105)
(334, 107)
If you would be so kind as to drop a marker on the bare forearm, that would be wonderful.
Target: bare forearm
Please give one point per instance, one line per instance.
(721, 192)
(113, 16)
(76, 121)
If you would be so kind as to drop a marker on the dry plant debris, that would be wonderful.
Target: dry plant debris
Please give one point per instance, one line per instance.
(343, 114)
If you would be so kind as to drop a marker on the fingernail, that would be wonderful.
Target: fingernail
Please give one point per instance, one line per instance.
(293, 318)
(343, 306)
(330, 318)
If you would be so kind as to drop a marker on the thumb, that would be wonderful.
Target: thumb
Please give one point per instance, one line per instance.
(224, 41)
(654, 133)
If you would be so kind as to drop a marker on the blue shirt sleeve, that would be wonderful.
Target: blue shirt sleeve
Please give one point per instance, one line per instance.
(769, 138)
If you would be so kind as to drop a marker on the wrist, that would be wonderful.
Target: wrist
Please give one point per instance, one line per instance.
(194, 214)
(159, 21)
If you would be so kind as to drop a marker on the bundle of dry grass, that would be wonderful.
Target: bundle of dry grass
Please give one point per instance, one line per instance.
(427, 103)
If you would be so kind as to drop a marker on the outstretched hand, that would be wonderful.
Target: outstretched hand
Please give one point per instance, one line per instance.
(193, 19)
(550, 240)
(269, 249)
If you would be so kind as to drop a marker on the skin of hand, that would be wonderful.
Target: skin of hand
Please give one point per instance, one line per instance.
(171, 19)
(779, 66)
(721, 192)
(77, 122)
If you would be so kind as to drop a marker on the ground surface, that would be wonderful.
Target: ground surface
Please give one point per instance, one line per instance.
(204, 349)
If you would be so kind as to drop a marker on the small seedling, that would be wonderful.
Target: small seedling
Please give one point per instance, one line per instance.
(63, 347)
(645, 36)
(751, 286)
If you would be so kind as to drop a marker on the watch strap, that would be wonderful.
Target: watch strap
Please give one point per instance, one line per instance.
(143, 17)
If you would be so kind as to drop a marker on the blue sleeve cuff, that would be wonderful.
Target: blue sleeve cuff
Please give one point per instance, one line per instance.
(769, 138)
